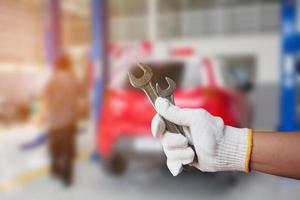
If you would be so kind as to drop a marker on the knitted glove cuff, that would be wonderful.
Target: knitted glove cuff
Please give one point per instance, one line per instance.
(233, 152)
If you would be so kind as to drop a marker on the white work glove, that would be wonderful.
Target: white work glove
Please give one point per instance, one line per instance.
(218, 147)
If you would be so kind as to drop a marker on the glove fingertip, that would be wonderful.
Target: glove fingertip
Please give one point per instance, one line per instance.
(174, 167)
(158, 126)
(161, 104)
(190, 155)
(174, 173)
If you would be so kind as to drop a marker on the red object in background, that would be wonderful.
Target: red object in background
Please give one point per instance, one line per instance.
(182, 52)
(147, 46)
(128, 112)
(209, 69)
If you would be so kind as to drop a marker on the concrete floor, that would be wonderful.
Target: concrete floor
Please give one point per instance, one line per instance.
(142, 182)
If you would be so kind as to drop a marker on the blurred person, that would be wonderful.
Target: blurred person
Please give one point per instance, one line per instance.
(223, 148)
(60, 100)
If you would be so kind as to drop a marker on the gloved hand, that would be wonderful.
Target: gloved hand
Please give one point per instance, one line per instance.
(218, 147)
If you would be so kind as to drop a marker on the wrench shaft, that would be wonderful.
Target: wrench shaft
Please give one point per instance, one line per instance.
(150, 92)
(152, 95)
(145, 84)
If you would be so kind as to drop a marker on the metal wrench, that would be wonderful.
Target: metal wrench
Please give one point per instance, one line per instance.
(144, 83)
(168, 94)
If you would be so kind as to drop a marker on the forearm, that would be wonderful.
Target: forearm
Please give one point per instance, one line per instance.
(276, 153)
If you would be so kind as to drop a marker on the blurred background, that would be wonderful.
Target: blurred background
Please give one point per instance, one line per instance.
(239, 59)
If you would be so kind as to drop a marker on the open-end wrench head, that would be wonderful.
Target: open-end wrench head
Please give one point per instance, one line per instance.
(168, 91)
(142, 81)
(144, 67)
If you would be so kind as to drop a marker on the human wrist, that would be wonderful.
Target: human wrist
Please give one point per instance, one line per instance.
(233, 152)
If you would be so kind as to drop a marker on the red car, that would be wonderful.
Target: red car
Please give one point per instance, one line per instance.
(124, 126)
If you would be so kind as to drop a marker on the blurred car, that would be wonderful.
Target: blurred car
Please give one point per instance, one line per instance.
(124, 126)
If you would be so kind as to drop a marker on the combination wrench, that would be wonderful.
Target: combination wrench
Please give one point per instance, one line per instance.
(144, 83)
(168, 94)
